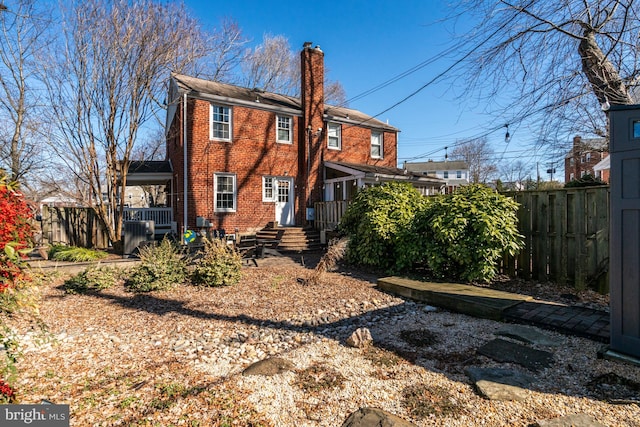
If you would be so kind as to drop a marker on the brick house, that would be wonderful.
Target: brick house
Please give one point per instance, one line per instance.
(585, 154)
(243, 158)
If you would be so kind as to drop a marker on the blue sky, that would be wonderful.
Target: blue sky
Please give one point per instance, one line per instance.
(366, 43)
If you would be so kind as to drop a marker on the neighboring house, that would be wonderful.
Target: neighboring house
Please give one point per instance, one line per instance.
(455, 173)
(602, 169)
(243, 158)
(585, 154)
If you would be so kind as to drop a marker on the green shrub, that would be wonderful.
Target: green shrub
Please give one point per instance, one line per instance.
(461, 236)
(161, 268)
(587, 180)
(375, 218)
(94, 278)
(220, 265)
(74, 254)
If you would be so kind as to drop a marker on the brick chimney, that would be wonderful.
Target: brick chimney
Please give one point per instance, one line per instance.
(312, 98)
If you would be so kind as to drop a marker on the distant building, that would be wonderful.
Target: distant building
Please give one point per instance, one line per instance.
(455, 173)
(585, 154)
(602, 169)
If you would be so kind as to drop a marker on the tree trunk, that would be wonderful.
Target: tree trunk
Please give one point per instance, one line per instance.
(603, 76)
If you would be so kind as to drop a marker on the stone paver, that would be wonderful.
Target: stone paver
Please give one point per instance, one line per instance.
(580, 321)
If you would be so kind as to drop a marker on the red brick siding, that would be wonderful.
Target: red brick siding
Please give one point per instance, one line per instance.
(252, 154)
(356, 147)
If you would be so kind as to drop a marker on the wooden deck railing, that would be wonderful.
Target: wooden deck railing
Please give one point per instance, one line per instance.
(328, 214)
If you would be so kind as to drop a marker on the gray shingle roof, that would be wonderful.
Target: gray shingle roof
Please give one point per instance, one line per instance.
(259, 98)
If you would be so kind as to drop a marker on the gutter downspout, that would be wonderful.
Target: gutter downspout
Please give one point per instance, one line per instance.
(185, 180)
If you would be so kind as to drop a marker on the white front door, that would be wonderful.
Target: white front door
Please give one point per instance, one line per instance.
(284, 201)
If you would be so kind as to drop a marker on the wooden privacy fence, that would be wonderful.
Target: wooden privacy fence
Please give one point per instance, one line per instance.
(566, 234)
(73, 227)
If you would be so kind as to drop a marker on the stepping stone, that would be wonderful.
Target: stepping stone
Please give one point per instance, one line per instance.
(576, 420)
(500, 384)
(528, 335)
(506, 351)
(269, 367)
(374, 417)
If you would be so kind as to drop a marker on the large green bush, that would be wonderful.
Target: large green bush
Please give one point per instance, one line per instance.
(461, 236)
(161, 268)
(375, 218)
(220, 265)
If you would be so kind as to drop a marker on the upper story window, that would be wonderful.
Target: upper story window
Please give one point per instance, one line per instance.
(334, 136)
(445, 174)
(588, 157)
(225, 194)
(458, 174)
(284, 129)
(220, 122)
(376, 145)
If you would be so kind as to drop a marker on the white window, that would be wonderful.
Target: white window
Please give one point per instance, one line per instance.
(376, 145)
(588, 156)
(583, 173)
(445, 175)
(571, 176)
(334, 136)
(220, 122)
(458, 174)
(225, 194)
(284, 129)
(268, 183)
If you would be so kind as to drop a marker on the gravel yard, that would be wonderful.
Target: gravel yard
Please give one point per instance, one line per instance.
(176, 358)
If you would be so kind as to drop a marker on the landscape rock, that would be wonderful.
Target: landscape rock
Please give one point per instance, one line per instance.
(506, 351)
(575, 420)
(374, 417)
(500, 384)
(528, 335)
(360, 338)
(269, 367)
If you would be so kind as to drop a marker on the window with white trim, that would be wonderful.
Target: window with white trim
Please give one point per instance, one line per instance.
(334, 136)
(459, 174)
(268, 184)
(225, 192)
(376, 145)
(445, 174)
(284, 128)
(220, 122)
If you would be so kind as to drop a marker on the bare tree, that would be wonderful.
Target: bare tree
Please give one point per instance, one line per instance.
(274, 67)
(515, 174)
(478, 155)
(22, 34)
(105, 85)
(563, 60)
